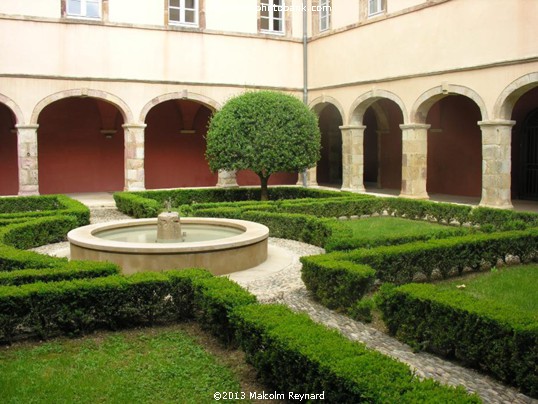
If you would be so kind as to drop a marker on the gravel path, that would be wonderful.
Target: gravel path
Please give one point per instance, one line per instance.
(286, 287)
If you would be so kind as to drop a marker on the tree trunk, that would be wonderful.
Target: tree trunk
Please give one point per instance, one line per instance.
(264, 194)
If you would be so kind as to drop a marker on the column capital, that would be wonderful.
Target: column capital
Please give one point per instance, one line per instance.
(500, 122)
(351, 127)
(22, 126)
(410, 126)
(134, 126)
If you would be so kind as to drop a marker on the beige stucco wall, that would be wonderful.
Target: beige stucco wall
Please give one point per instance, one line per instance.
(147, 54)
(398, 5)
(236, 16)
(344, 13)
(150, 12)
(434, 39)
(37, 8)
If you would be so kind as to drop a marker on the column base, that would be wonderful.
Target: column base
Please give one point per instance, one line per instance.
(423, 196)
(357, 190)
(505, 205)
(28, 191)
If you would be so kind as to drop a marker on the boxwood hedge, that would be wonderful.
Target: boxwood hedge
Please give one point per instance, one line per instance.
(482, 334)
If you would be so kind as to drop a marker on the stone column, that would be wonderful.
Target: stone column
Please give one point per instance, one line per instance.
(27, 155)
(134, 157)
(311, 178)
(496, 163)
(414, 160)
(353, 158)
(227, 179)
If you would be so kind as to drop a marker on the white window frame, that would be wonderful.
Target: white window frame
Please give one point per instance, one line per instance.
(271, 18)
(182, 9)
(375, 7)
(324, 15)
(83, 9)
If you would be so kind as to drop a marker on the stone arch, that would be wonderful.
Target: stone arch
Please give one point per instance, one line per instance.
(318, 102)
(507, 99)
(83, 92)
(330, 118)
(361, 104)
(19, 116)
(183, 95)
(423, 104)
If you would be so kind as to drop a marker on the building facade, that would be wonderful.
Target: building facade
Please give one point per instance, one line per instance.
(418, 96)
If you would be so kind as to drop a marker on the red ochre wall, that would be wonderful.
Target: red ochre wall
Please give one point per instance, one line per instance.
(527, 103)
(73, 155)
(9, 180)
(174, 159)
(455, 153)
(247, 177)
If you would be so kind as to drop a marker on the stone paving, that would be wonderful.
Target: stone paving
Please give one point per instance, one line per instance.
(285, 286)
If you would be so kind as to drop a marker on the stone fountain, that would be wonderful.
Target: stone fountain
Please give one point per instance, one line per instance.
(168, 242)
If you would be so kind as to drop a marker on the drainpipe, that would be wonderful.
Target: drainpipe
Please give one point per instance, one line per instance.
(305, 71)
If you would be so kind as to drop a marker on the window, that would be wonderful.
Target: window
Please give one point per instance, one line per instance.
(272, 15)
(375, 7)
(324, 15)
(84, 8)
(183, 12)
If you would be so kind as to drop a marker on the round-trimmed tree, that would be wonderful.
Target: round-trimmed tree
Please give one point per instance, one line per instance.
(266, 132)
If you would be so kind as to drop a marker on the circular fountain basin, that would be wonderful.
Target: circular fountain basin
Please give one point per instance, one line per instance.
(220, 245)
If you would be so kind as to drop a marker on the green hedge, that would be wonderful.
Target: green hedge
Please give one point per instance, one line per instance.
(288, 350)
(214, 300)
(29, 204)
(335, 283)
(81, 306)
(480, 333)
(12, 259)
(399, 264)
(342, 238)
(303, 228)
(292, 353)
(150, 203)
(71, 270)
(38, 232)
(43, 206)
(340, 279)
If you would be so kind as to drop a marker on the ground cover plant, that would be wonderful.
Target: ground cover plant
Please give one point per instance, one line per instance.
(386, 230)
(515, 287)
(159, 365)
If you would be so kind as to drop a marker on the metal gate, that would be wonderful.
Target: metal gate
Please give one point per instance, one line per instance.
(529, 158)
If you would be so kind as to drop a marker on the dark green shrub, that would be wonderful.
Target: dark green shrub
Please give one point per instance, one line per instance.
(292, 353)
(337, 284)
(72, 270)
(480, 333)
(37, 232)
(214, 300)
(14, 259)
(362, 310)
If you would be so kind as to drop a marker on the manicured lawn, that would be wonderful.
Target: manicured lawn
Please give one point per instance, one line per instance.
(159, 365)
(375, 227)
(515, 287)
(374, 231)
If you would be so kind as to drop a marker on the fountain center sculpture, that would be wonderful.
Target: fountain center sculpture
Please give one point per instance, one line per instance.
(169, 228)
